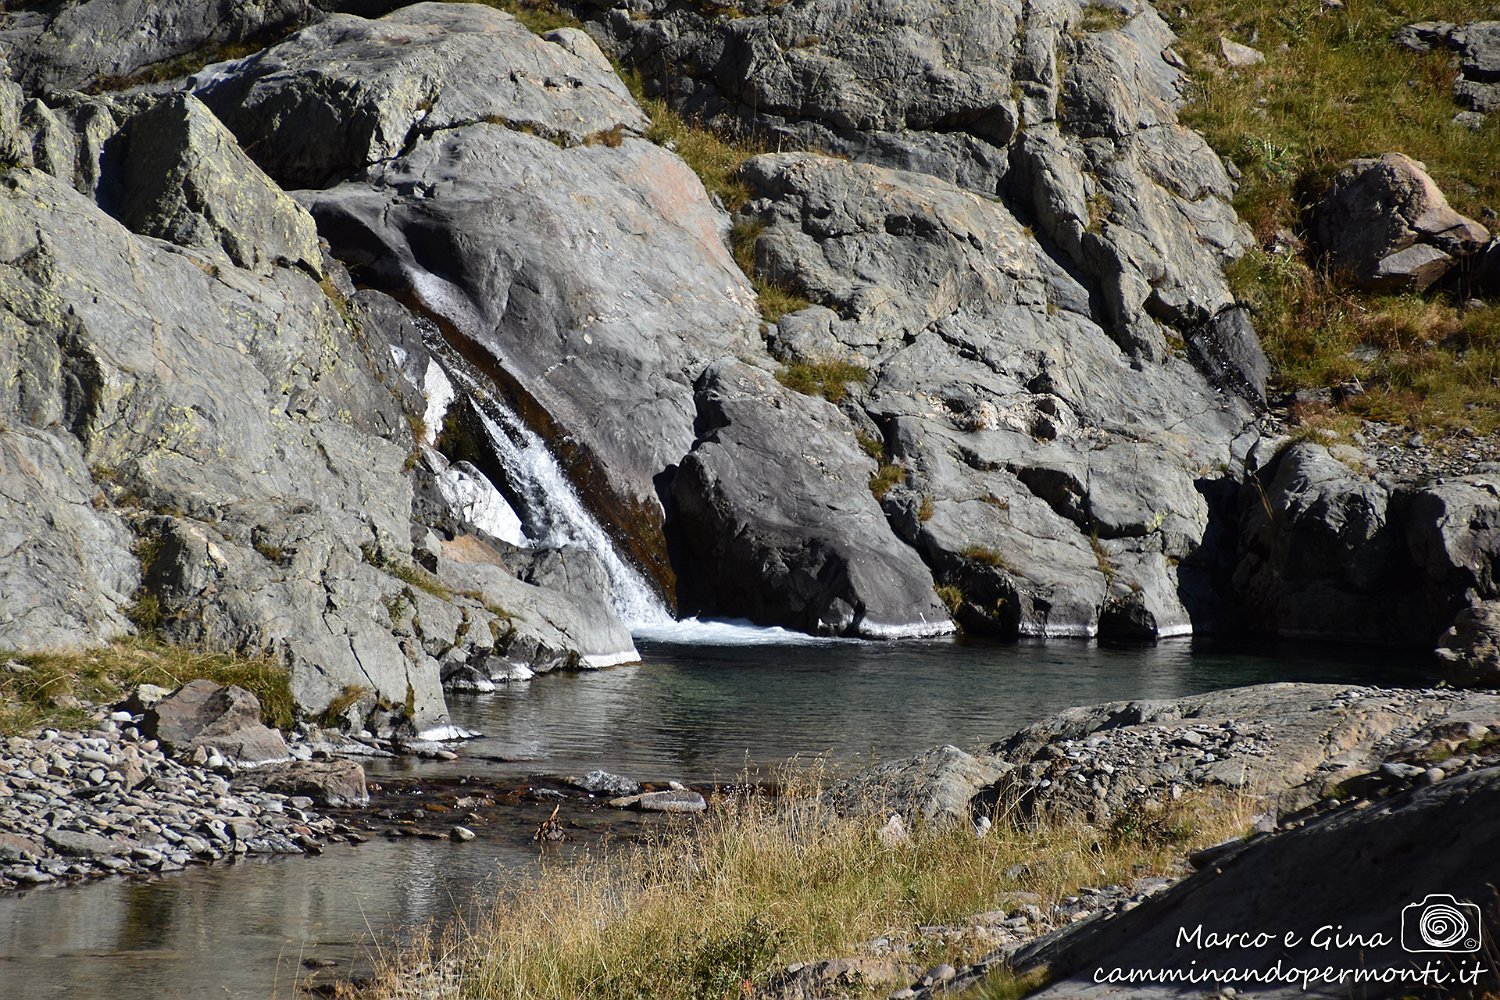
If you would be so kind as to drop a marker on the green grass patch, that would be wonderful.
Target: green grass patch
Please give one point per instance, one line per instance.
(713, 907)
(541, 16)
(44, 693)
(985, 555)
(1343, 89)
(886, 478)
(829, 379)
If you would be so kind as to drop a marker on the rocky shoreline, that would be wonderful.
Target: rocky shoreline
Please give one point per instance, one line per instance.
(108, 801)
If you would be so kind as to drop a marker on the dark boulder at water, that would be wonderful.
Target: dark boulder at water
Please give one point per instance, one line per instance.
(777, 521)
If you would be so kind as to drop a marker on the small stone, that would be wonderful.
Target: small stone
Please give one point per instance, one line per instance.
(1239, 56)
(462, 834)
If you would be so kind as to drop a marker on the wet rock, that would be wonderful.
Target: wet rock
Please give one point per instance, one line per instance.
(799, 543)
(671, 802)
(612, 304)
(604, 783)
(1386, 224)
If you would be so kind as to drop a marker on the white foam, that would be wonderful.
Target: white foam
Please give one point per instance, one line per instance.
(1174, 631)
(728, 632)
(445, 734)
(912, 630)
(1032, 630)
(596, 660)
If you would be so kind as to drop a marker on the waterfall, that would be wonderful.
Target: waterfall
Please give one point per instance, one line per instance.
(554, 515)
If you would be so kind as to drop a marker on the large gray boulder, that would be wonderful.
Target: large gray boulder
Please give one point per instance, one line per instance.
(774, 510)
(349, 92)
(71, 46)
(1058, 488)
(1384, 222)
(225, 718)
(185, 180)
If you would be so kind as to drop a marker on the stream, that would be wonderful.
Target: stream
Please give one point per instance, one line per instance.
(734, 698)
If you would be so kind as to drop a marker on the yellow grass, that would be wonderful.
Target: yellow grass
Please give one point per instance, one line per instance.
(710, 909)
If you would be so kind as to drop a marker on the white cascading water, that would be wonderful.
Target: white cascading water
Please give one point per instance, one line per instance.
(554, 515)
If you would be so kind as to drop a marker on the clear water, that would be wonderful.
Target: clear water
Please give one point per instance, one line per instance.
(691, 712)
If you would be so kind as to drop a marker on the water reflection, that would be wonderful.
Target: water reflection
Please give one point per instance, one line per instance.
(244, 930)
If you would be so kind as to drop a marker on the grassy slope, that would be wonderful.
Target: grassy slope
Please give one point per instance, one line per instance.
(1343, 89)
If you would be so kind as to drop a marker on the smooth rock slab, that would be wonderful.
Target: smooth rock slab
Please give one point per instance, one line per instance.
(671, 802)
(84, 845)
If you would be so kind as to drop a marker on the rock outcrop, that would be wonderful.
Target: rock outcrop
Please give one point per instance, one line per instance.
(1477, 86)
(1370, 873)
(1287, 745)
(1385, 224)
(1330, 552)
(1059, 489)
(215, 431)
(1470, 650)
(777, 521)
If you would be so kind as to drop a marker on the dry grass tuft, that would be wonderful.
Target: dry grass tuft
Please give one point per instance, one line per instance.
(1343, 89)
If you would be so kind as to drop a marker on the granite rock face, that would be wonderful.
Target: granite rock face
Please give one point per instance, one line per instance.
(1470, 650)
(1078, 128)
(349, 92)
(71, 46)
(1327, 551)
(774, 511)
(205, 423)
(1058, 488)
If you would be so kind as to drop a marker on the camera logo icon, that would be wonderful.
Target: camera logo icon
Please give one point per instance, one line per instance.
(1440, 923)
